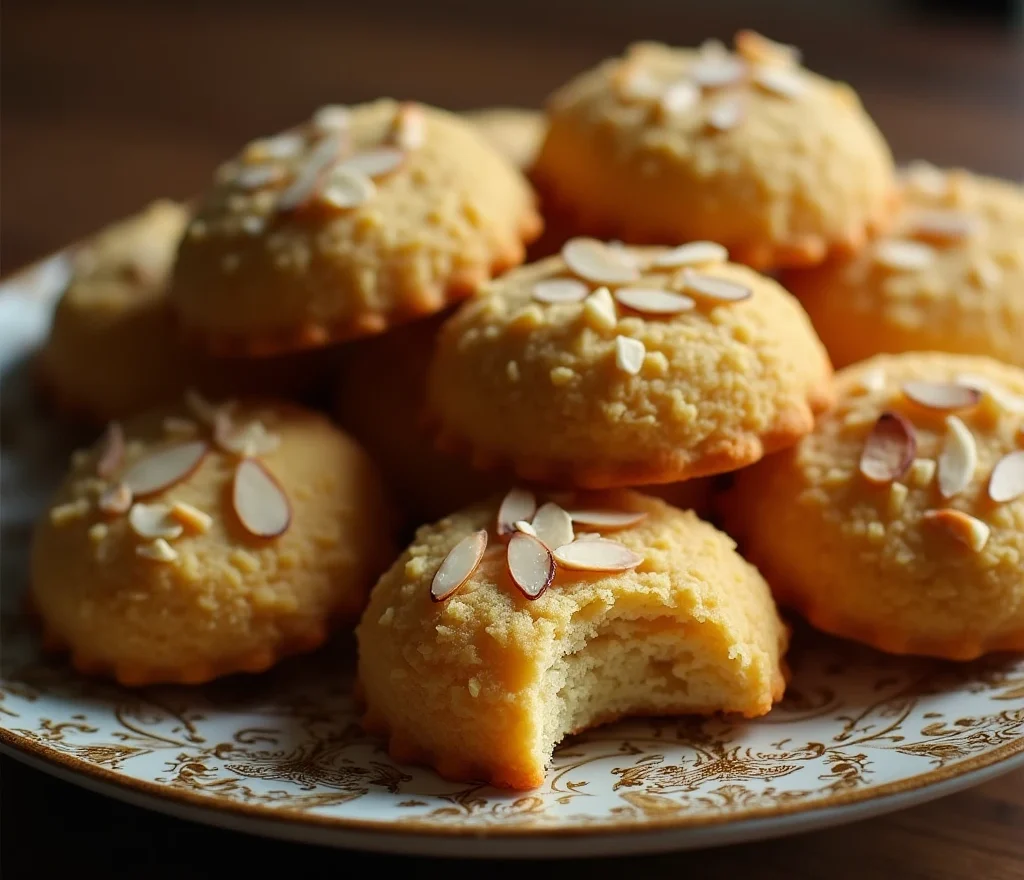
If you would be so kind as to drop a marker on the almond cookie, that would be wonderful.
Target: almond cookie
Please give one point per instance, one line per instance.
(198, 541)
(613, 366)
(948, 276)
(900, 521)
(489, 641)
(513, 132)
(356, 220)
(113, 349)
(746, 148)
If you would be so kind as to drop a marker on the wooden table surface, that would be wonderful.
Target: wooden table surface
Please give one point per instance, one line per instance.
(109, 104)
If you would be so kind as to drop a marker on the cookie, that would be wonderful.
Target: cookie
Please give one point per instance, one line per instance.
(900, 521)
(113, 349)
(746, 148)
(948, 276)
(479, 653)
(692, 366)
(198, 541)
(512, 131)
(358, 219)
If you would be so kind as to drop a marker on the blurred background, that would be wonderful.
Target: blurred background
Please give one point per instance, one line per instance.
(107, 104)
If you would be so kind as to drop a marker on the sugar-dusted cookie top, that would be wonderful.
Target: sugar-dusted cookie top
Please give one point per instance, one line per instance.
(357, 219)
(743, 147)
(614, 366)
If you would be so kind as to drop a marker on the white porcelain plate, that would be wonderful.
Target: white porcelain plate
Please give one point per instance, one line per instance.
(859, 732)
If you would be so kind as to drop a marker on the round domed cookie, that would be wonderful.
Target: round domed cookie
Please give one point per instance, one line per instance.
(746, 148)
(948, 275)
(479, 653)
(197, 541)
(900, 521)
(613, 366)
(356, 220)
(516, 133)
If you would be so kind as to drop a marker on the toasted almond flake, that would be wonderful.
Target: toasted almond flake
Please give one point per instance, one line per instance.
(922, 472)
(115, 500)
(259, 501)
(458, 566)
(595, 261)
(654, 301)
(607, 520)
(530, 565)
(410, 127)
(518, 504)
(943, 396)
(598, 554)
(332, 117)
(525, 527)
(926, 179)
(958, 459)
(286, 145)
(714, 288)
(759, 49)
(889, 449)
(179, 427)
(599, 309)
(162, 469)
(154, 521)
(696, 253)
(965, 528)
(560, 290)
(250, 440)
(1007, 480)
(378, 162)
(726, 114)
(310, 177)
(347, 189)
(635, 83)
(942, 227)
(111, 451)
(629, 354)
(552, 525)
(251, 177)
(679, 99)
(902, 255)
(873, 380)
(781, 81)
(1003, 397)
(158, 550)
(717, 71)
(65, 513)
(191, 517)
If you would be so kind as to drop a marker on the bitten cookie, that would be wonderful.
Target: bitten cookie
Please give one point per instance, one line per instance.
(488, 642)
(199, 541)
(746, 148)
(900, 521)
(358, 219)
(513, 132)
(948, 276)
(611, 366)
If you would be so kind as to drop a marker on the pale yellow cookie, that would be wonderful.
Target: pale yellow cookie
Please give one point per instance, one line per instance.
(516, 133)
(356, 220)
(900, 521)
(199, 541)
(611, 366)
(948, 276)
(465, 673)
(747, 148)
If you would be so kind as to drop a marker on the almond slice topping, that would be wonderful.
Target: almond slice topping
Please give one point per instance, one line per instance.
(679, 98)
(332, 117)
(696, 253)
(311, 175)
(873, 380)
(942, 227)
(518, 504)
(560, 290)
(526, 528)
(458, 565)
(347, 189)
(965, 528)
(259, 501)
(112, 454)
(713, 288)
(629, 355)
(597, 554)
(115, 500)
(726, 114)
(553, 525)
(1007, 480)
(251, 440)
(943, 396)
(654, 301)
(162, 469)
(760, 49)
(958, 459)
(599, 309)
(713, 71)
(286, 145)
(902, 255)
(191, 517)
(377, 162)
(410, 127)
(889, 449)
(1012, 403)
(607, 520)
(637, 84)
(203, 410)
(154, 521)
(782, 81)
(593, 260)
(158, 550)
(530, 565)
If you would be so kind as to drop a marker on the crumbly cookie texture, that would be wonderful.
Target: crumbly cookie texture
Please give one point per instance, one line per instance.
(516, 133)
(746, 148)
(693, 366)
(198, 541)
(484, 684)
(948, 275)
(358, 219)
(900, 521)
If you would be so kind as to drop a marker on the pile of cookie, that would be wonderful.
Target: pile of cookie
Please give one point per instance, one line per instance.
(567, 342)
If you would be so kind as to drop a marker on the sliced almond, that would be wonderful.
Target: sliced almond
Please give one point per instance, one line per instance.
(1003, 397)
(902, 255)
(696, 253)
(530, 565)
(410, 127)
(458, 565)
(599, 309)
(889, 449)
(518, 504)
(958, 459)
(714, 288)
(526, 528)
(718, 71)
(726, 114)
(942, 227)
(760, 50)
(607, 520)
(250, 440)
(191, 517)
(286, 145)
(872, 380)
(259, 501)
(154, 521)
(593, 260)
(115, 500)
(1007, 480)
(926, 179)
(654, 301)
(162, 469)
(158, 550)
(310, 177)
(629, 354)
(560, 290)
(250, 177)
(679, 99)
(378, 162)
(553, 525)
(205, 411)
(782, 81)
(588, 536)
(112, 451)
(965, 528)
(333, 117)
(635, 83)
(943, 396)
(598, 554)
(347, 189)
